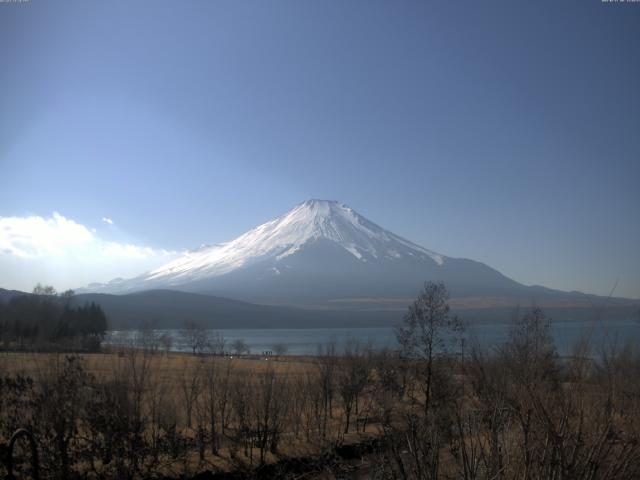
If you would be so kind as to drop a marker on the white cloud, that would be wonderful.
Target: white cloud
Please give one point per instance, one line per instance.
(107, 220)
(37, 236)
(60, 251)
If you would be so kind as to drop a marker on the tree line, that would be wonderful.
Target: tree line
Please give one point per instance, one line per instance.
(44, 320)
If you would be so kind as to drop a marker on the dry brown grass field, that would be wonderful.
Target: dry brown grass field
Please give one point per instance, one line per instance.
(172, 365)
(178, 386)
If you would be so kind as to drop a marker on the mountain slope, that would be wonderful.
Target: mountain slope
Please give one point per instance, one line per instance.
(321, 252)
(6, 295)
(171, 309)
(309, 222)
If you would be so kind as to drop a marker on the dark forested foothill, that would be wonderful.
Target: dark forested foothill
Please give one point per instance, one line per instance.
(46, 320)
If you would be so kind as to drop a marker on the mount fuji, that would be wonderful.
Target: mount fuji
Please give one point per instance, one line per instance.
(323, 253)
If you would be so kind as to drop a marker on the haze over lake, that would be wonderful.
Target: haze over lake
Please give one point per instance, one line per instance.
(306, 341)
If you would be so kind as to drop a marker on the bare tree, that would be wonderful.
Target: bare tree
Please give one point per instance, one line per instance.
(138, 373)
(279, 349)
(325, 362)
(390, 384)
(44, 290)
(147, 338)
(166, 341)
(353, 375)
(269, 409)
(216, 343)
(530, 351)
(216, 381)
(239, 346)
(426, 330)
(195, 337)
(190, 387)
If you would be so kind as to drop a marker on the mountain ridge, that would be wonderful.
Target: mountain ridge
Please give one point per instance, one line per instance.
(319, 252)
(172, 309)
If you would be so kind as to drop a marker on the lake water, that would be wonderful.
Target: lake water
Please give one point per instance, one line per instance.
(488, 335)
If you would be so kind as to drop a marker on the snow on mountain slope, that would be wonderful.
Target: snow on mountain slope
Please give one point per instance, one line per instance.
(319, 251)
(284, 236)
(323, 253)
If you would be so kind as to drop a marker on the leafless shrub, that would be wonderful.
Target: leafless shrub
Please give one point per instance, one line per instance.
(190, 388)
(353, 376)
(269, 410)
(214, 411)
(325, 362)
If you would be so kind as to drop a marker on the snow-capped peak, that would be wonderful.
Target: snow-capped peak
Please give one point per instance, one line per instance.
(279, 238)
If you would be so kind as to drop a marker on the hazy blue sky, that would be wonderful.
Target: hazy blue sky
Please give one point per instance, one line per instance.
(503, 131)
